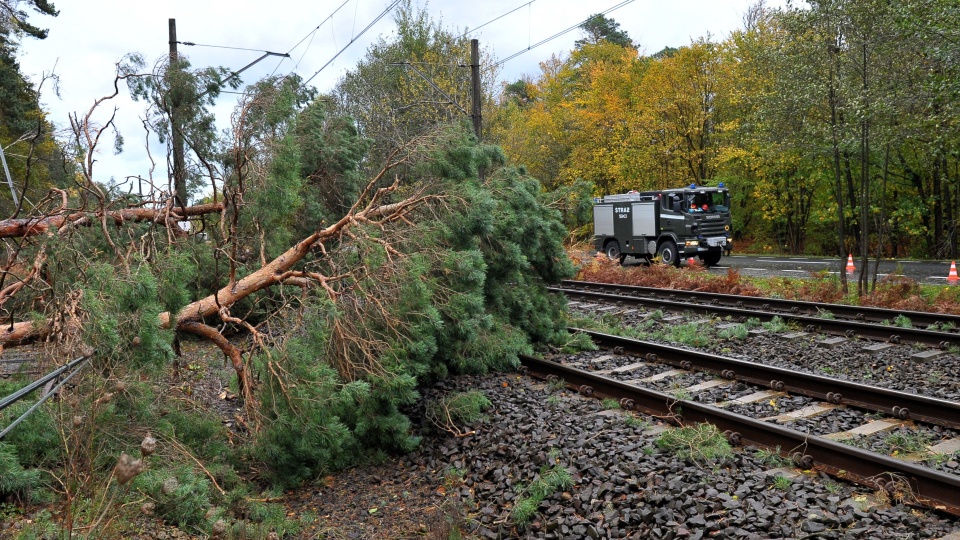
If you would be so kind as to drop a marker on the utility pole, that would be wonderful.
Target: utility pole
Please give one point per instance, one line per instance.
(475, 87)
(179, 166)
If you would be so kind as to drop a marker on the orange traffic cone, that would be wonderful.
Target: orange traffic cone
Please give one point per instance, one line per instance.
(850, 267)
(952, 276)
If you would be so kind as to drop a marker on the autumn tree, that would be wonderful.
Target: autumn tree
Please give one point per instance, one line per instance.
(410, 83)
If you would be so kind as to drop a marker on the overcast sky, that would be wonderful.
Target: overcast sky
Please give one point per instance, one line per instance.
(88, 38)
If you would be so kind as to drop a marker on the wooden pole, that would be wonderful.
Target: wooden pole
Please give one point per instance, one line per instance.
(179, 165)
(475, 87)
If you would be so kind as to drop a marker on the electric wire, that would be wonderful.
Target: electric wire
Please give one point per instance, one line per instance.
(76, 365)
(5, 402)
(558, 34)
(314, 31)
(383, 14)
(192, 44)
(496, 19)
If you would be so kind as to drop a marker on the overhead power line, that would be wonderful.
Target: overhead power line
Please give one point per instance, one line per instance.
(375, 21)
(192, 44)
(313, 32)
(496, 19)
(558, 34)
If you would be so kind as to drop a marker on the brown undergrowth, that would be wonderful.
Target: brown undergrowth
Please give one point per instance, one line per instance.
(891, 292)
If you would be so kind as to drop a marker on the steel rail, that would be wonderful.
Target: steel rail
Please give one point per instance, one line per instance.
(901, 405)
(839, 327)
(929, 487)
(763, 303)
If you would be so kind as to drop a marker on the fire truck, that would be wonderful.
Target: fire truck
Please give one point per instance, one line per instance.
(673, 224)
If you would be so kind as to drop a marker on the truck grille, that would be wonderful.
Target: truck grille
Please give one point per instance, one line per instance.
(712, 228)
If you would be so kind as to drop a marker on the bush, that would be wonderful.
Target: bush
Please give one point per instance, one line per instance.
(180, 495)
(15, 481)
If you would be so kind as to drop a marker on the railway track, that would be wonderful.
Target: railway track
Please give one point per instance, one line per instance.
(926, 485)
(935, 330)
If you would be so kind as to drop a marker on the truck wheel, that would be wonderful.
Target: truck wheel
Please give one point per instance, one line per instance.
(710, 258)
(668, 253)
(612, 249)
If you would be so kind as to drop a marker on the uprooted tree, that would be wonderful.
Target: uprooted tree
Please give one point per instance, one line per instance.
(350, 283)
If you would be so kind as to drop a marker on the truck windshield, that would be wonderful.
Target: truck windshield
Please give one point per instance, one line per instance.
(711, 201)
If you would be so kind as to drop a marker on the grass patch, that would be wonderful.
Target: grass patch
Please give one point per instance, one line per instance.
(777, 324)
(782, 482)
(692, 334)
(771, 457)
(734, 333)
(610, 404)
(907, 442)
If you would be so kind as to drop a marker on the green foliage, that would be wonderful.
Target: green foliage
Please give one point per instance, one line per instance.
(906, 441)
(611, 404)
(201, 431)
(460, 408)
(550, 479)
(597, 27)
(636, 422)
(738, 332)
(34, 441)
(15, 481)
(181, 496)
(902, 321)
(771, 457)
(777, 324)
(579, 341)
(317, 423)
(691, 334)
(16, 19)
(782, 483)
(699, 443)
(123, 316)
(556, 384)
(262, 518)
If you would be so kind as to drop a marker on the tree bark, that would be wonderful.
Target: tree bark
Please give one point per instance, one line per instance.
(23, 227)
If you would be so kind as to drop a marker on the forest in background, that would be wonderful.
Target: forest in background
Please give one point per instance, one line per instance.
(834, 123)
(364, 242)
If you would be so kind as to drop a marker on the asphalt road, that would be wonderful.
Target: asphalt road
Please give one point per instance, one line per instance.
(926, 272)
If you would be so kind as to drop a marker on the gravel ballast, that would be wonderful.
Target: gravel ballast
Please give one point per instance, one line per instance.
(623, 484)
